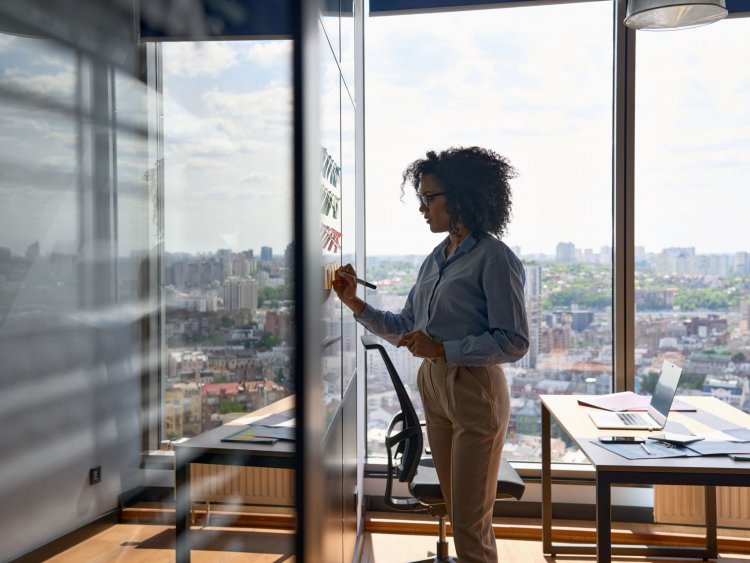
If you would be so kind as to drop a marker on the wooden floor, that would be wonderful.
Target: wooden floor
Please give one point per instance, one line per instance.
(387, 548)
(136, 543)
(148, 543)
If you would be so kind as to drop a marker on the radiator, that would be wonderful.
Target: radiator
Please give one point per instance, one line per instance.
(682, 504)
(241, 485)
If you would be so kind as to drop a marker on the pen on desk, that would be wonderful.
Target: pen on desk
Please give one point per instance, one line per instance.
(645, 449)
(358, 280)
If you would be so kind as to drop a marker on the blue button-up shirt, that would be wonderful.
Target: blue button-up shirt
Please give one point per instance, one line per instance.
(472, 302)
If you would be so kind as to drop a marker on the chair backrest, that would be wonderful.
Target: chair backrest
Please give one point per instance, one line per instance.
(410, 445)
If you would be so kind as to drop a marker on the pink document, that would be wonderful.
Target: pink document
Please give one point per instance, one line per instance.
(627, 401)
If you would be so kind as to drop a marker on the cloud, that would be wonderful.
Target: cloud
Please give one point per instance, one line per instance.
(270, 53)
(62, 138)
(268, 109)
(6, 41)
(535, 84)
(199, 59)
(255, 178)
(58, 85)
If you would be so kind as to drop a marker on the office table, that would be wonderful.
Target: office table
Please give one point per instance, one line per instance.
(612, 469)
(208, 448)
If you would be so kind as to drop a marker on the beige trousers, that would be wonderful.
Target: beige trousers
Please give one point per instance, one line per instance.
(467, 411)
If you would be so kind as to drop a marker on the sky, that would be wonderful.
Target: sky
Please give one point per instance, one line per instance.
(534, 84)
(227, 145)
(38, 175)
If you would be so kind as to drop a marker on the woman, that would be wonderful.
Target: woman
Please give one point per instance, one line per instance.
(465, 316)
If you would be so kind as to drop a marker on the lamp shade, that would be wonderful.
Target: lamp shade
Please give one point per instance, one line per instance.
(672, 14)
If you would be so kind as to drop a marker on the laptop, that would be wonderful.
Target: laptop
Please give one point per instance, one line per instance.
(658, 409)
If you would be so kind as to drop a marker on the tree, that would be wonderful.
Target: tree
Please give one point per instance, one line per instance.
(279, 376)
(231, 406)
(710, 298)
(648, 383)
(270, 296)
(739, 358)
(267, 341)
(692, 381)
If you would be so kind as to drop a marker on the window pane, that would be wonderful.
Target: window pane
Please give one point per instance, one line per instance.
(348, 247)
(228, 230)
(534, 84)
(692, 164)
(330, 217)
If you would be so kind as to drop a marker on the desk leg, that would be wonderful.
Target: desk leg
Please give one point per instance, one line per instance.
(712, 547)
(603, 518)
(182, 506)
(546, 482)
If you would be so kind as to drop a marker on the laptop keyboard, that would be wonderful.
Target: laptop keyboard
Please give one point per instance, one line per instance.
(631, 419)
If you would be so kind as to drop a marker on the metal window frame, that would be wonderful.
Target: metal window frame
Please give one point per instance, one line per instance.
(392, 7)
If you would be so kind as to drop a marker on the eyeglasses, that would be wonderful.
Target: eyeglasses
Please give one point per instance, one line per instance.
(425, 199)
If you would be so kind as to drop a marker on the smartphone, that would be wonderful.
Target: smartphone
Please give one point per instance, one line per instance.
(621, 439)
(740, 457)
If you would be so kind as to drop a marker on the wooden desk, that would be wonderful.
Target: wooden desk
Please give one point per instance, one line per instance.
(208, 448)
(611, 469)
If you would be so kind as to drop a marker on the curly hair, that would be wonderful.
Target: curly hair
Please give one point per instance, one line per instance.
(476, 184)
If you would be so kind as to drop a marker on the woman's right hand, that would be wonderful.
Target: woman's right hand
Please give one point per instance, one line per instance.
(344, 284)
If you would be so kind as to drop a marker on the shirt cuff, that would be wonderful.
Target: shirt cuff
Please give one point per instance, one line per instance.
(365, 314)
(452, 351)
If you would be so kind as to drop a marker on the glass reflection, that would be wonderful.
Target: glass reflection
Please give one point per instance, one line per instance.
(71, 192)
(347, 44)
(349, 325)
(331, 226)
(39, 171)
(329, 19)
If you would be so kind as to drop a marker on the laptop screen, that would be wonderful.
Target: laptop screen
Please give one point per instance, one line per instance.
(666, 387)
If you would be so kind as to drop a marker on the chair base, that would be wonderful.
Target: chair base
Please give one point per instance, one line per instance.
(441, 547)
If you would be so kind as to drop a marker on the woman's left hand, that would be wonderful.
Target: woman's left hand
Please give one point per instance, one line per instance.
(421, 345)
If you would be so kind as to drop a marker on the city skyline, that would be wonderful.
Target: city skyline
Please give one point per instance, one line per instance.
(278, 252)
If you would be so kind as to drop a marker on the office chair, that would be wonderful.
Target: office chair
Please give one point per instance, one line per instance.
(404, 449)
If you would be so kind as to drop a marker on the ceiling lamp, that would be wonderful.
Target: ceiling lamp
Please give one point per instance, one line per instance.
(673, 14)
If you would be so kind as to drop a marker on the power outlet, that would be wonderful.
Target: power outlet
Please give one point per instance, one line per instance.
(95, 475)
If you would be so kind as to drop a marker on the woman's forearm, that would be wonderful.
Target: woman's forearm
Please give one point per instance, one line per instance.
(356, 304)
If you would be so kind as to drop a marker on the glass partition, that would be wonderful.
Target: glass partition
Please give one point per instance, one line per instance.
(73, 237)
(331, 213)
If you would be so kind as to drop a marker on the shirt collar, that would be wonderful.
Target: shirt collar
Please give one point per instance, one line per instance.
(466, 245)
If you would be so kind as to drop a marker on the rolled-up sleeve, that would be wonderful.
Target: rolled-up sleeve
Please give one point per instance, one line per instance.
(507, 337)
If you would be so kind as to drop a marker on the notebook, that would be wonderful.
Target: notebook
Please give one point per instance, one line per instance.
(658, 409)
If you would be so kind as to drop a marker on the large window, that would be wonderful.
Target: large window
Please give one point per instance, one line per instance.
(692, 164)
(534, 84)
(227, 138)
